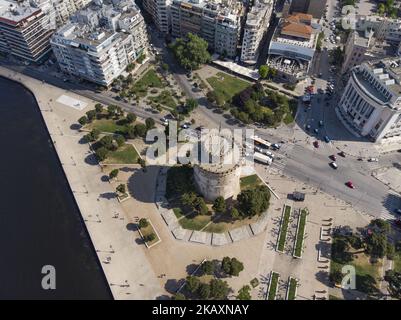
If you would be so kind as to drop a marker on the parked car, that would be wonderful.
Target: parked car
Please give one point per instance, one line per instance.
(333, 165)
(349, 184)
(373, 160)
(327, 139)
(333, 157)
(321, 123)
(316, 130)
(397, 211)
(316, 144)
(342, 154)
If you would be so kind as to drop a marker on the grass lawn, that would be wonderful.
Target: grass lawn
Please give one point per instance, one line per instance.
(273, 286)
(124, 155)
(147, 231)
(283, 228)
(216, 227)
(301, 232)
(166, 99)
(197, 222)
(367, 274)
(226, 86)
(292, 288)
(290, 116)
(250, 182)
(149, 79)
(107, 125)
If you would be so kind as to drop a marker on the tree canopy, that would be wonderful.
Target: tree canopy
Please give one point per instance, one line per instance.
(191, 52)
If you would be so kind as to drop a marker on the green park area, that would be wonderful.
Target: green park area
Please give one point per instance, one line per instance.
(147, 232)
(149, 80)
(283, 228)
(226, 86)
(126, 154)
(166, 99)
(108, 126)
(250, 182)
(195, 213)
(364, 250)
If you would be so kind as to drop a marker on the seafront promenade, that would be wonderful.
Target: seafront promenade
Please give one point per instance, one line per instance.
(127, 270)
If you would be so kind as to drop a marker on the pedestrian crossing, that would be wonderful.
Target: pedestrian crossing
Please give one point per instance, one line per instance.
(391, 203)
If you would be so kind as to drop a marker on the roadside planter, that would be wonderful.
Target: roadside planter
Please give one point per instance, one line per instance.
(285, 219)
(291, 289)
(146, 234)
(299, 241)
(273, 284)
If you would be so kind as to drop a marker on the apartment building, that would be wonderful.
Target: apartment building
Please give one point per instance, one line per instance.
(371, 102)
(219, 23)
(292, 47)
(356, 49)
(255, 28)
(25, 30)
(384, 28)
(159, 10)
(100, 41)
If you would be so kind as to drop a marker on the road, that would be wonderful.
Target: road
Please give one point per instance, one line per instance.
(300, 160)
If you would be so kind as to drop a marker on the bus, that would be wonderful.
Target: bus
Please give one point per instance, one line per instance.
(259, 142)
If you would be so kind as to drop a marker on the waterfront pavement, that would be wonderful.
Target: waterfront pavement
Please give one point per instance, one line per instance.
(128, 272)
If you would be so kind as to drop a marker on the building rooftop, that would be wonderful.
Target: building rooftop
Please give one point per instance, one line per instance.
(14, 12)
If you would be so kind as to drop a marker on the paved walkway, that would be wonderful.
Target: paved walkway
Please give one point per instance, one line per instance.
(124, 263)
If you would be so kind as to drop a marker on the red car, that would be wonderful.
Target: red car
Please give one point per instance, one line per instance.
(349, 184)
(316, 144)
(342, 154)
(333, 157)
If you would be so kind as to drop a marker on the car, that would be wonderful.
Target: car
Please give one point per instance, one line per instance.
(342, 154)
(185, 126)
(333, 165)
(397, 211)
(200, 128)
(321, 123)
(316, 130)
(316, 144)
(333, 157)
(373, 160)
(308, 127)
(65, 80)
(327, 139)
(276, 146)
(350, 185)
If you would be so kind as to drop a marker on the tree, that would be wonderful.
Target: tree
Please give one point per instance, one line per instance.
(98, 108)
(83, 120)
(120, 140)
(150, 237)
(192, 283)
(219, 205)
(131, 117)
(165, 66)
(336, 276)
(204, 291)
(130, 132)
(200, 206)
(111, 111)
(208, 267)
(394, 283)
(188, 199)
(191, 104)
(140, 130)
(93, 135)
(143, 223)
(376, 244)
(219, 289)
(91, 114)
(255, 201)
(101, 153)
(178, 296)
(226, 265)
(121, 188)
(142, 163)
(263, 71)
(113, 174)
(236, 267)
(107, 142)
(150, 123)
(191, 52)
(235, 213)
(244, 293)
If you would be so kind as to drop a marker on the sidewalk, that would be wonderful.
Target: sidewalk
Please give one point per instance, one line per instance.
(124, 263)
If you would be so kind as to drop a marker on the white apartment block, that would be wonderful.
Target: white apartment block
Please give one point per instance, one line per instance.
(257, 22)
(101, 40)
(159, 10)
(384, 28)
(356, 49)
(25, 30)
(219, 23)
(371, 102)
